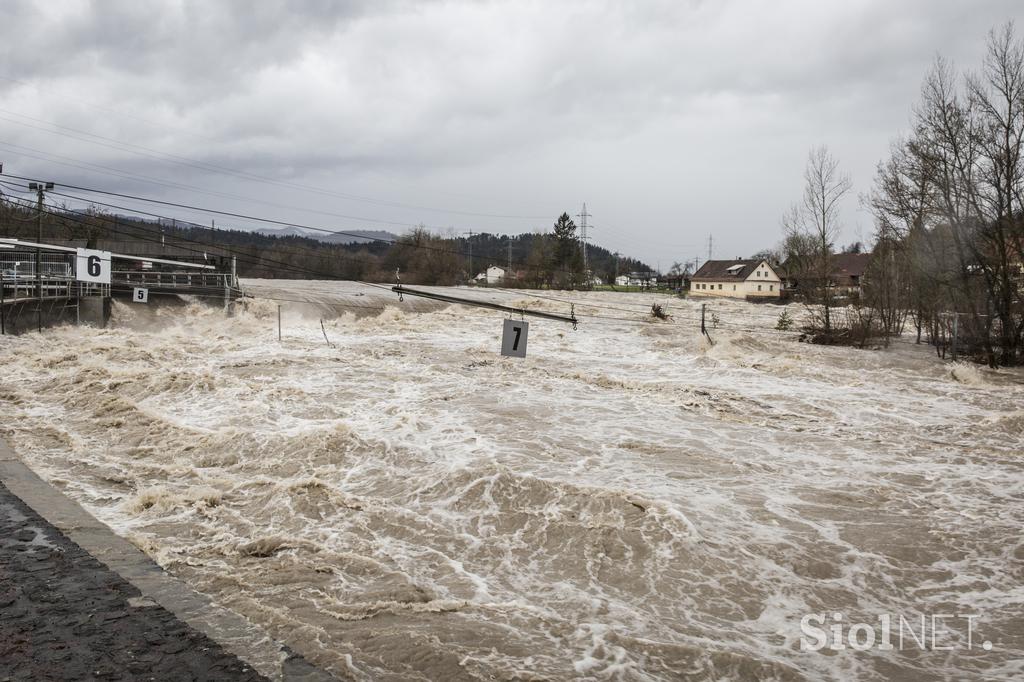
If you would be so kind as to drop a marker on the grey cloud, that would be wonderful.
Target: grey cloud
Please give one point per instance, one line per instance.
(533, 105)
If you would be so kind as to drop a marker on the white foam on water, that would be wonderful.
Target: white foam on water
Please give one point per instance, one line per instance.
(627, 502)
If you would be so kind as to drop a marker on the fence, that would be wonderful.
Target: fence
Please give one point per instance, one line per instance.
(18, 275)
(173, 280)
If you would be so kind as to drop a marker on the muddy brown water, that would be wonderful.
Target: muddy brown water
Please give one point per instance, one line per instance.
(625, 503)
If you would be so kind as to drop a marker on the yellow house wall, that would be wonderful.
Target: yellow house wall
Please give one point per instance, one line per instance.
(743, 289)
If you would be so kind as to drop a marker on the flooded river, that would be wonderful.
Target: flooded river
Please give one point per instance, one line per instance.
(396, 501)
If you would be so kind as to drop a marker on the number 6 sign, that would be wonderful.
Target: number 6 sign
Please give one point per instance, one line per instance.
(92, 266)
(513, 339)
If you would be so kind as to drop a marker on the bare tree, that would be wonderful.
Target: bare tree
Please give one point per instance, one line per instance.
(814, 223)
(997, 94)
(898, 201)
(949, 204)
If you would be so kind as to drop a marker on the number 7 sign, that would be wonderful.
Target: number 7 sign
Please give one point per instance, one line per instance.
(513, 338)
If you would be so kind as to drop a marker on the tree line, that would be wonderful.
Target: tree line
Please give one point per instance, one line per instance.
(948, 207)
(538, 259)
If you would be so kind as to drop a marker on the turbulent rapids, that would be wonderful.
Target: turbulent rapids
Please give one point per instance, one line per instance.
(625, 503)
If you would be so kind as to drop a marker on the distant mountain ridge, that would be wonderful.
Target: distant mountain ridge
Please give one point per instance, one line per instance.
(350, 236)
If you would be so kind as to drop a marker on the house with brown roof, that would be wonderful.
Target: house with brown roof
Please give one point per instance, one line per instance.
(846, 278)
(848, 270)
(736, 279)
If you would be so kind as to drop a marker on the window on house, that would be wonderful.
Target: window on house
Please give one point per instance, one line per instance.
(719, 287)
(759, 287)
(771, 287)
(734, 287)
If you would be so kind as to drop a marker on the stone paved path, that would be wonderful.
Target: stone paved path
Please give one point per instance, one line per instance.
(66, 616)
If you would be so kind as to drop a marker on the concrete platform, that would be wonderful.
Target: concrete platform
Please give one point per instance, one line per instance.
(75, 596)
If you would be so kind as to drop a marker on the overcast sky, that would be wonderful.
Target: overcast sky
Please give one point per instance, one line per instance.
(672, 120)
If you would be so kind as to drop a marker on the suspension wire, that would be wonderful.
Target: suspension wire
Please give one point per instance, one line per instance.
(476, 302)
(270, 221)
(149, 152)
(521, 311)
(198, 190)
(60, 212)
(295, 250)
(306, 249)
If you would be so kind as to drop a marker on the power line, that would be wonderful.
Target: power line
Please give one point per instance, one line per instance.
(61, 212)
(156, 154)
(270, 221)
(316, 253)
(235, 197)
(721, 325)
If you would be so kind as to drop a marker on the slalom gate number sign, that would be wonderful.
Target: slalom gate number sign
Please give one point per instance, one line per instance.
(513, 338)
(92, 266)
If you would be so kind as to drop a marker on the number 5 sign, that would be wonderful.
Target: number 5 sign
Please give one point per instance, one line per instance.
(513, 340)
(92, 266)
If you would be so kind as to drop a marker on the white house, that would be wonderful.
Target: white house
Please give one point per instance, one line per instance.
(736, 279)
(494, 275)
(641, 279)
(622, 281)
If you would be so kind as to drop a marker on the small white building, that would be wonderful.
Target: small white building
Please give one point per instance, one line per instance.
(494, 275)
(736, 279)
(622, 281)
(641, 279)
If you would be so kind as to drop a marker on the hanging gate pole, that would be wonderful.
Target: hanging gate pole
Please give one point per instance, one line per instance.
(703, 327)
(400, 290)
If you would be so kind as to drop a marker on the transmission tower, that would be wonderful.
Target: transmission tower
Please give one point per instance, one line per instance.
(583, 239)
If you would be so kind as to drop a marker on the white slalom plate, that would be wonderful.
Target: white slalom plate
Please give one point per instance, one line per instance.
(92, 266)
(140, 295)
(513, 338)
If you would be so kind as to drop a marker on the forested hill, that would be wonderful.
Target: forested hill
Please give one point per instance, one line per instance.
(421, 256)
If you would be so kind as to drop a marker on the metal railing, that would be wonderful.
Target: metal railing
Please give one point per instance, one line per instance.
(172, 280)
(25, 288)
(18, 264)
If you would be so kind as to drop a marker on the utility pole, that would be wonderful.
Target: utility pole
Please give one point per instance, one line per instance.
(510, 256)
(470, 242)
(583, 240)
(39, 187)
(710, 243)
